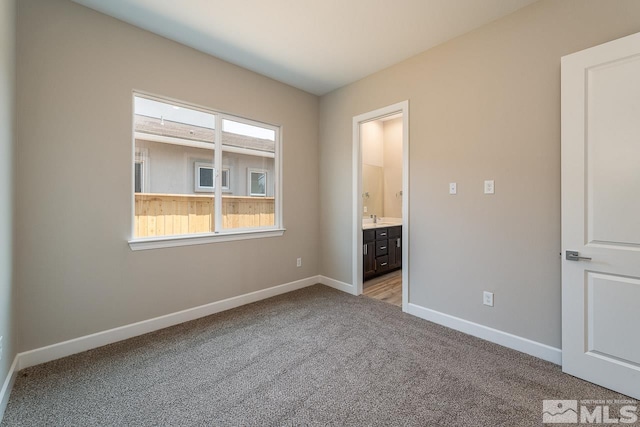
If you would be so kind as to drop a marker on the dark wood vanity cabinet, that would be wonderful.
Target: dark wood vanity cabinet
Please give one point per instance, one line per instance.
(395, 247)
(369, 253)
(382, 251)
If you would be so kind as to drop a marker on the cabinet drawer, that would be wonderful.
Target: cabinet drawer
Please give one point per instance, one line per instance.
(382, 247)
(395, 231)
(368, 236)
(382, 233)
(382, 263)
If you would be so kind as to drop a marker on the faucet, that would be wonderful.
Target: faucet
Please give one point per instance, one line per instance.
(375, 218)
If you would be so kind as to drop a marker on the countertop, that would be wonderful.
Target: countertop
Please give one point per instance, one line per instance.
(382, 224)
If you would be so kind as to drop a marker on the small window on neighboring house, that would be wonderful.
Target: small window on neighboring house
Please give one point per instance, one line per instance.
(257, 180)
(205, 177)
(141, 176)
(139, 166)
(226, 185)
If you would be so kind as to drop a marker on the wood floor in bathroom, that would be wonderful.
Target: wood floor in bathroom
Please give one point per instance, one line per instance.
(387, 288)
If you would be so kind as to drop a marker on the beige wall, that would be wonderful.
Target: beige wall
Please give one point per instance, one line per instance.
(372, 139)
(372, 143)
(392, 168)
(483, 106)
(7, 120)
(74, 270)
(372, 191)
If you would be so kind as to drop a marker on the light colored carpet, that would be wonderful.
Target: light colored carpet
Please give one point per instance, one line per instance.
(311, 357)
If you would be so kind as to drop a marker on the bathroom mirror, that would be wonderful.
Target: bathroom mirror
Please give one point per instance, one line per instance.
(372, 190)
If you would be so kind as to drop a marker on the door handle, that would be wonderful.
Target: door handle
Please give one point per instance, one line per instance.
(573, 256)
(398, 243)
(383, 247)
(365, 249)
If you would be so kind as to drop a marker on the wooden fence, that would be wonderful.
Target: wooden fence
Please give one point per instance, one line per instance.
(170, 214)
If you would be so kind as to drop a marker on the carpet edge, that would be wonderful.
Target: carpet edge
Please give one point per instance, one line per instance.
(505, 339)
(88, 342)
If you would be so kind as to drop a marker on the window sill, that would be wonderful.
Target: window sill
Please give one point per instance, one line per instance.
(200, 239)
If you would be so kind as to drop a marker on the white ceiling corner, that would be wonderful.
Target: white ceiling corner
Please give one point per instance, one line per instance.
(314, 45)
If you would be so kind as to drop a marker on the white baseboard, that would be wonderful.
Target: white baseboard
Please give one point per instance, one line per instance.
(542, 351)
(5, 391)
(336, 284)
(88, 342)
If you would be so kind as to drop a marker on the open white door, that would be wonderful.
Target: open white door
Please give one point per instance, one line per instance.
(601, 215)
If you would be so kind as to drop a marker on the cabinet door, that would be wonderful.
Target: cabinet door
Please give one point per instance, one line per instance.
(395, 252)
(368, 236)
(369, 258)
(395, 231)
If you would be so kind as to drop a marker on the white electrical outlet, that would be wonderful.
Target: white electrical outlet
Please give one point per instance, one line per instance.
(299, 262)
(487, 298)
(489, 187)
(453, 188)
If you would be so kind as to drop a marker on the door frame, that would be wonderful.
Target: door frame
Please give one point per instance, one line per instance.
(402, 108)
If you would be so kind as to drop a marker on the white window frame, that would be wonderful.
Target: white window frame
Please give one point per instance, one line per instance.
(221, 235)
(266, 182)
(206, 189)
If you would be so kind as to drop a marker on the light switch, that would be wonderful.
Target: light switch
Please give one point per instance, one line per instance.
(489, 187)
(365, 209)
(453, 188)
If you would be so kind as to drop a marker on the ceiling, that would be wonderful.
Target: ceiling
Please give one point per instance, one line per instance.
(314, 45)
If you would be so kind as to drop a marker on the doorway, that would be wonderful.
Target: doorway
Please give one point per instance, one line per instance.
(381, 204)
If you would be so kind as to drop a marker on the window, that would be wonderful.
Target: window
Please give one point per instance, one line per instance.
(251, 147)
(141, 178)
(257, 181)
(204, 177)
(182, 200)
(226, 184)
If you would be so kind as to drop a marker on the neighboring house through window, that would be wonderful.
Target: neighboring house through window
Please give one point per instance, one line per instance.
(181, 194)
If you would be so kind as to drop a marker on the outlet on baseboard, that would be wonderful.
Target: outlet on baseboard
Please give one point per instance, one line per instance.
(299, 262)
(487, 298)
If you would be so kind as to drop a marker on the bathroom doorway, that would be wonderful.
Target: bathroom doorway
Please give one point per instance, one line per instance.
(381, 204)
